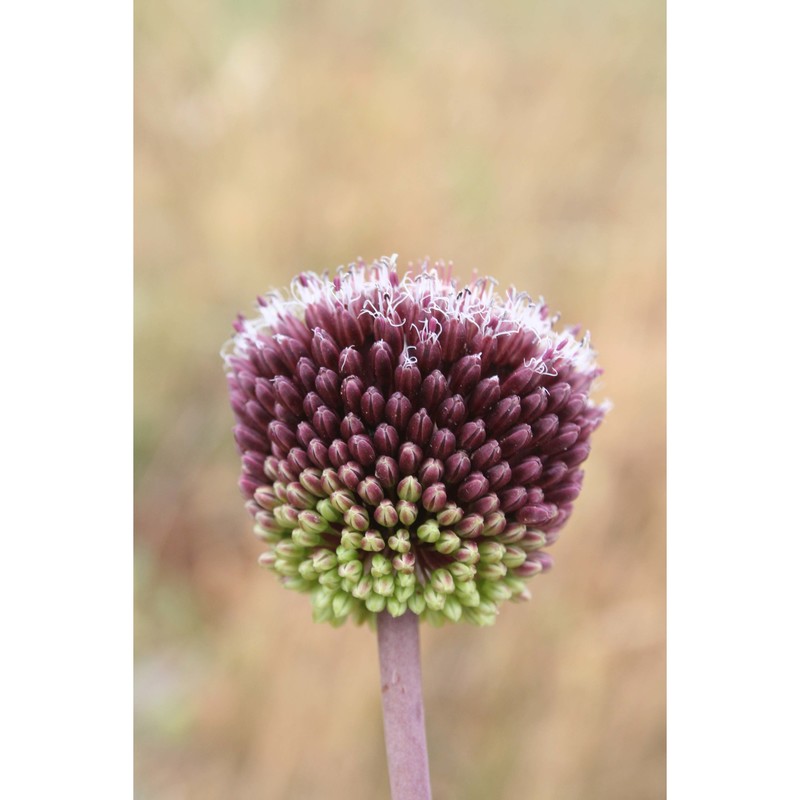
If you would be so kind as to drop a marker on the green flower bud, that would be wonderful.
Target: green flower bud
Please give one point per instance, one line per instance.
(448, 542)
(380, 566)
(514, 556)
(492, 572)
(383, 585)
(307, 571)
(346, 553)
(462, 572)
(310, 480)
(372, 542)
(279, 487)
(407, 513)
(517, 585)
(351, 539)
(285, 516)
(351, 570)
(416, 603)
(433, 599)
(404, 562)
(385, 514)
(363, 588)
(497, 591)
(450, 515)
(442, 581)
(330, 579)
(342, 604)
(513, 533)
(304, 538)
(376, 603)
(400, 541)
(324, 559)
(326, 510)
(330, 481)
(491, 552)
(267, 559)
(452, 609)
(395, 607)
(467, 553)
(494, 523)
(288, 549)
(402, 593)
(342, 500)
(428, 531)
(405, 579)
(409, 489)
(357, 517)
(312, 522)
(285, 567)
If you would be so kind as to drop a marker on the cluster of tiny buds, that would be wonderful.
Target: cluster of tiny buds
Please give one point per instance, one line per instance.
(408, 445)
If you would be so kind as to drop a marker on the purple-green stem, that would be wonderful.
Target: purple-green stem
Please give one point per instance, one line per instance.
(403, 710)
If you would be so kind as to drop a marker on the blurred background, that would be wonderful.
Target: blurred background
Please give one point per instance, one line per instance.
(522, 139)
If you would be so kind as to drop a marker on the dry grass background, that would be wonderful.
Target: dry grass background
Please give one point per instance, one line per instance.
(524, 139)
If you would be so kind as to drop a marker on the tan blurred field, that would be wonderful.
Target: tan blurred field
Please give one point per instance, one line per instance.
(525, 140)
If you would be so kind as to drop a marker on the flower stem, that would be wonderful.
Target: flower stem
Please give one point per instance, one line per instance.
(403, 711)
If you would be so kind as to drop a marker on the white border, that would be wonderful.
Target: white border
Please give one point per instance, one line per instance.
(65, 312)
(733, 543)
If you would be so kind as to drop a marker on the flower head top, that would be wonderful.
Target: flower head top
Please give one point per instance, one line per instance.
(408, 444)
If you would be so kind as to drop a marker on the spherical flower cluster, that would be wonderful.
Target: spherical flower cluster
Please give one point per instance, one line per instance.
(407, 444)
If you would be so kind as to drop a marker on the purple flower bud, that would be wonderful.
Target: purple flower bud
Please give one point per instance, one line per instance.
(326, 423)
(486, 394)
(387, 440)
(533, 405)
(283, 435)
(472, 487)
(434, 390)
(513, 499)
(409, 458)
(324, 350)
(504, 415)
(407, 379)
(311, 402)
(306, 373)
(451, 412)
(453, 339)
(318, 453)
(565, 438)
(350, 362)
(420, 428)
(311, 481)
(535, 515)
(575, 406)
(370, 491)
(398, 411)
(338, 453)
(351, 474)
(327, 386)
(372, 406)
(519, 382)
(298, 497)
(559, 394)
(379, 364)
(351, 391)
(465, 374)
(457, 467)
(305, 434)
(431, 471)
(357, 518)
(443, 444)
(329, 481)
(555, 472)
(434, 498)
(351, 426)
(516, 441)
(429, 355)
(486, 504)
(499, 476)
(576, 454)
(387, 472)
(527, 471)
(544, 428)
(471, 435)
(566, 492)
(487, 455)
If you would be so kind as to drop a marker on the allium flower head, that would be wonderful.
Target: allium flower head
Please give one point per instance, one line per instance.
(408, 444)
